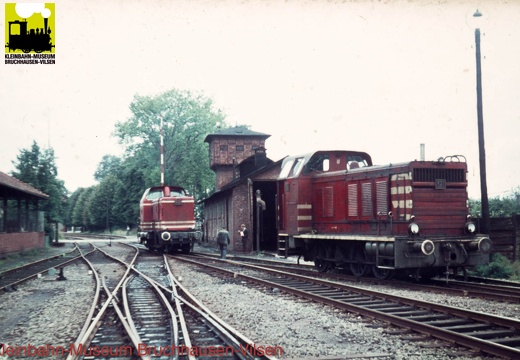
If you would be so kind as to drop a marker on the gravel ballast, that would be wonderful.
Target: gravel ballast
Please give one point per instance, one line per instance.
(48, 312)
(308, 330)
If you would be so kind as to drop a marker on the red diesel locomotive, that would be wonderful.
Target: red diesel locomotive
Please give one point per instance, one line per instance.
(337, 209)
(167, 220)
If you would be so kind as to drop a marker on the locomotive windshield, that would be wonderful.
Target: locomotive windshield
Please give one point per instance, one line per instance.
(291, 168)
(154, 194)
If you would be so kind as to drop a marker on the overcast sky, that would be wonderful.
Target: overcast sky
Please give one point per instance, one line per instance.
(375, 76)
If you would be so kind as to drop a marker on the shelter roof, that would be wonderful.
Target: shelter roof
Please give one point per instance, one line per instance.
(11, 183)
(243, 179)
(239, 131)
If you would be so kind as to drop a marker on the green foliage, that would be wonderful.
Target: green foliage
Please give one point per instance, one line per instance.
(499, 206)
(101, 203)
(38, 169)
(499, 268)
(110, 164)
(187, 120)
(80, 212)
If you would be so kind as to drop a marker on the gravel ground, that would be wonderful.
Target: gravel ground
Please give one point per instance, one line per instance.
(312, 331)
(45, 311)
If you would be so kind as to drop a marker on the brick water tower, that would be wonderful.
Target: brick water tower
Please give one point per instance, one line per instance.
(229, 147)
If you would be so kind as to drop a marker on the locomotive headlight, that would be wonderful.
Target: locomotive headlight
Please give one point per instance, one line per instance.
(413, 229)
(166, 236)
(470, 227)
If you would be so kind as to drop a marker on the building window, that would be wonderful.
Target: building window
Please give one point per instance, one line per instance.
(223, 147)
(240, 148)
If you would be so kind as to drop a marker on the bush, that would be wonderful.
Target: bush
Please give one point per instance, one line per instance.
(499, 268)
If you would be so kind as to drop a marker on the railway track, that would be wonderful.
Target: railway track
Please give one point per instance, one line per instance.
(84, 236)
(485, 333)
(202, 334)
(12, 277)
(106, 331)
(489, 289)
(140, 314)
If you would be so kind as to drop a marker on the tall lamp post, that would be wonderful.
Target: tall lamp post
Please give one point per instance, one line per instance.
(482, 152)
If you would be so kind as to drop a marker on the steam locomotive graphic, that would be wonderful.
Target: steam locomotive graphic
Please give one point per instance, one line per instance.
(27, 40)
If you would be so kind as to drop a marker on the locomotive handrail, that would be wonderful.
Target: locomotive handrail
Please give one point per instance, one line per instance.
(457, 157)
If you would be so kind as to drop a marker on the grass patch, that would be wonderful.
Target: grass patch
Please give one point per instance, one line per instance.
(499, 268)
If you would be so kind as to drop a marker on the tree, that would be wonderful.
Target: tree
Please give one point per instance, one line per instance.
(187, 119)
(101, 204)
(499, 206)
(72, 206)
(80, 213)
(109, 164)
(38, 169)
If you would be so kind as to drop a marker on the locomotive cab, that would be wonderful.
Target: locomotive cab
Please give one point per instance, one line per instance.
(295, 195)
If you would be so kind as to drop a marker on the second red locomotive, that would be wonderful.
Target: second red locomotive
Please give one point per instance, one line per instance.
(167, 220)
(339, 210)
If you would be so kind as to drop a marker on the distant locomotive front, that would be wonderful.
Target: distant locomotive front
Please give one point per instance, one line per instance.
(167, 221)
(338, 210)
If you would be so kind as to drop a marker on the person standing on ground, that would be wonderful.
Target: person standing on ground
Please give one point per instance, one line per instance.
(244, 234)
(223, 240)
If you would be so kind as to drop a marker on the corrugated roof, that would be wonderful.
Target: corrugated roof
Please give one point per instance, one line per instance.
(15, 184)
(236, 131)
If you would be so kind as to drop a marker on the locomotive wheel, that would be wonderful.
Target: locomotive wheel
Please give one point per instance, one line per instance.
(185, 248)
(321, 265)
(358, 267)
(26, 50)
(382, 274)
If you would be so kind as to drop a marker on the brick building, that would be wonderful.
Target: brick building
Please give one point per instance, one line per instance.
(21, 221)
(242, 173)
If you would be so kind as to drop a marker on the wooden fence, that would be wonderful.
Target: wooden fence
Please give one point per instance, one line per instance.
(505, 235)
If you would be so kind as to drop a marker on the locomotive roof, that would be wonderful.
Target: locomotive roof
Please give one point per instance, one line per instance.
(307, 156)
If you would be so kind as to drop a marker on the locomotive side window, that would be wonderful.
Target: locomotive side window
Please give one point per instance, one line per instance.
(14, 29)
(317, 163)
(356, 161)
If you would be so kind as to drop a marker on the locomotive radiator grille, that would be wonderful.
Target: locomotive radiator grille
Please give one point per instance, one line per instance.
(432, 175)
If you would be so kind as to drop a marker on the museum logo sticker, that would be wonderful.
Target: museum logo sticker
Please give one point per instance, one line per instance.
(30, 33)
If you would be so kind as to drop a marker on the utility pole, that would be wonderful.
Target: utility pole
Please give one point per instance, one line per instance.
(486, 223)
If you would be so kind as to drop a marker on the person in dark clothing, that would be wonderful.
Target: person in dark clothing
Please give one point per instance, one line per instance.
(244, 234)
(223, 241)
